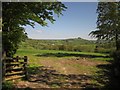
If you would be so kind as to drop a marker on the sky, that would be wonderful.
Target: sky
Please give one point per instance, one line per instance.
(77, 21)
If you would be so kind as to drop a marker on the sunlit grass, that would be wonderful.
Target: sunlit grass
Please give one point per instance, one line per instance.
(31, 53)
(102, 59)
(35, 51)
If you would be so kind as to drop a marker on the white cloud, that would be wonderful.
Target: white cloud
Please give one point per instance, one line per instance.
(39, 31)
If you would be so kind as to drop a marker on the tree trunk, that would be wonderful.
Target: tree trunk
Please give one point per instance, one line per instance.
(117, 56)
(117, 42)
(117, 45)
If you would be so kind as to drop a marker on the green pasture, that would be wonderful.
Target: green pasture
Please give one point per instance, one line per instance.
(65, 62)
(35, 51)
(35, 55)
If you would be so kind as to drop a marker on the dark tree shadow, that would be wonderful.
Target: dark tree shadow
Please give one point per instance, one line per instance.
(52, 78)
(69, 54)
(106, 77)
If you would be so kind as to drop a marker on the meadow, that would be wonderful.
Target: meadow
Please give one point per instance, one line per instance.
(69, 69)
(57, 64)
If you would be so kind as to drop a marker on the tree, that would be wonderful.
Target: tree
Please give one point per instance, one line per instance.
(17, 14)
(108, 22)
(108, 25)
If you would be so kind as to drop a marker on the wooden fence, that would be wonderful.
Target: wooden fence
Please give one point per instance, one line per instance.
(13, 68)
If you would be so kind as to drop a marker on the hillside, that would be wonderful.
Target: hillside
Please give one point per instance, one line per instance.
(73, 44)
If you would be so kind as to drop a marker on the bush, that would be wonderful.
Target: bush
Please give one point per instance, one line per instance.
(104, 50)
(8, 85)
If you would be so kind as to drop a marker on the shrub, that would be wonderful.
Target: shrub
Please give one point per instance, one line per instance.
(8, 85)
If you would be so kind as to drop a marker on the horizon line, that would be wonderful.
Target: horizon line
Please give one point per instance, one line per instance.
(59, 38)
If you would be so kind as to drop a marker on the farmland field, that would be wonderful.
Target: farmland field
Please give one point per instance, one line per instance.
(70, 63)
(56, 69)
(60, 45)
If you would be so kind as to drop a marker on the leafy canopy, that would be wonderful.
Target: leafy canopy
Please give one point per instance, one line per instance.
(108, 22)
(17, 14)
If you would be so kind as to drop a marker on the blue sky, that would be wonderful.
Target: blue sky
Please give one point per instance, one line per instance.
(77, 21)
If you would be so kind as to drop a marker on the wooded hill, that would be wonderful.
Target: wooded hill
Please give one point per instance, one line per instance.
(73, 44)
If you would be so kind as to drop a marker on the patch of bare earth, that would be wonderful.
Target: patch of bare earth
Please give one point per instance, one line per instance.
(72, 65)
(61, 73)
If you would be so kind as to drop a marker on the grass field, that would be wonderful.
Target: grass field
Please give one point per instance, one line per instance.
(34, 52)
(38, 55)
(54, 69)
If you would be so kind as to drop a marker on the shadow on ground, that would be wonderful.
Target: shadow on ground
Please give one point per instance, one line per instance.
(106, 77)
(52, 78)
(69, 54)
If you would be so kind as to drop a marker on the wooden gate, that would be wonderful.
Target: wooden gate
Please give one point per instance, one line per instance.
(13, 68)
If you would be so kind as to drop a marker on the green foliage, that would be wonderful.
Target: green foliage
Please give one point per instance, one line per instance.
(108, 22)
(29, 13)
(104, 50)
(11, 40)
(67, 45)
(26, 14)
(78, 45)
(8, 85)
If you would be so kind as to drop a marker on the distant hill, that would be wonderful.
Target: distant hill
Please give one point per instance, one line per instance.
(80, 41)
(72, 44)
(63, 41)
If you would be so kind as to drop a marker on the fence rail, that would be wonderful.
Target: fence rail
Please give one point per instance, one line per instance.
(13, 68)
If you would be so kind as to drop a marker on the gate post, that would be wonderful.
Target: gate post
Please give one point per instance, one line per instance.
(3, 69)
(25, 67)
